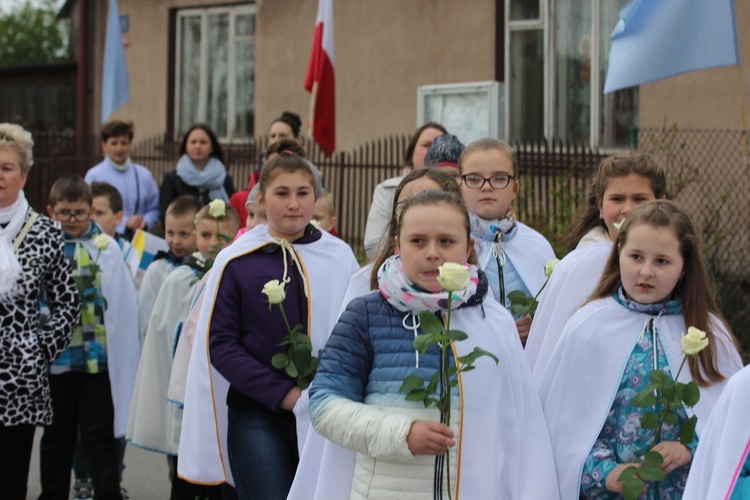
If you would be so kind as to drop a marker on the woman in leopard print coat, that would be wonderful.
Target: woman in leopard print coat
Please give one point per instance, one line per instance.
(32, 262)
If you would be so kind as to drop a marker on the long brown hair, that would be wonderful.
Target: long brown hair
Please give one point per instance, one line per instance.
(610, 168)
(446, 183)
(695, 287)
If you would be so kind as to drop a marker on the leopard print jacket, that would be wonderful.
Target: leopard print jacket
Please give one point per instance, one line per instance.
(27, 347)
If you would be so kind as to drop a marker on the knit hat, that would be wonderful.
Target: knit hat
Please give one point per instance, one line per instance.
(446, 149)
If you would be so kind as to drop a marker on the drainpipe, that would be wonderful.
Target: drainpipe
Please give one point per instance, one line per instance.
(82, 82)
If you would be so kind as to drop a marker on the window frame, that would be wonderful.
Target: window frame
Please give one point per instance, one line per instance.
(233, 11)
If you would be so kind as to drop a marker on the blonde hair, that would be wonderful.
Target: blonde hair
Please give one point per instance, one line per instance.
(19, 139)
(489, 144)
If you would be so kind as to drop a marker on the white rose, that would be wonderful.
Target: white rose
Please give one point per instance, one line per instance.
(550, 266)
(618, 225)
(101, 242)
(694, 342)
(453, 276)
(217, 209)
(274, 290)
(315, 223)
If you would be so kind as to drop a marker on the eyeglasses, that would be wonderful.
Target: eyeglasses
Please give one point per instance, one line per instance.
(477, 182)
(78, 215)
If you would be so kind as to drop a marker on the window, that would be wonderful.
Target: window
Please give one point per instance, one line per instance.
(557, 64)
(215, 70)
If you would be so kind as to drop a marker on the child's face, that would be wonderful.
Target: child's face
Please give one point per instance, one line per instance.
(103, 215)
(207, 237)
(622, 196)
(430, 236)
(179, 231)
(323, 213)
(650, 264)
(255, 216)
(288, 202)
(73, 215)
(489, 202)
(117, 148)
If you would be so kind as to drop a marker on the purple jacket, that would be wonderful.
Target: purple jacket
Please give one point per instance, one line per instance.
(244, 335)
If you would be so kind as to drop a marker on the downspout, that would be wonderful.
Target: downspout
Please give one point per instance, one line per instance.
(82, 108)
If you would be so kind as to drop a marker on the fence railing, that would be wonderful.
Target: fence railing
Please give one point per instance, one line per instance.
(705, 168)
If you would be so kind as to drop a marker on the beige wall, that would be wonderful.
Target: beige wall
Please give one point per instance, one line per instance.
(384, 50)
(702, 99)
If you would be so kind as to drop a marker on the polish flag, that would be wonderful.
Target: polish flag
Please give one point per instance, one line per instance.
(320, 81)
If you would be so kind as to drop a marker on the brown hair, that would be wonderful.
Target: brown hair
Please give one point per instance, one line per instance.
(695, 287)
(409, 154)
(232, 217)
(215, 146)
(444, 180)
(288, 161)
(70, 188)
(117, 128)
(489, 144)
(184, 205)
(610, 168)
(107, 190)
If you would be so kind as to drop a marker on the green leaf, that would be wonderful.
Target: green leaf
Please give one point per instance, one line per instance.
(423, 342)
(467, 368)
(687, 432)
(670, 417)
(291, 370)
(280, 360)
(434, 381)
(412, 382)
(301, 357)
(457, 335)
(668, 392)
(660, 379)
(518, 310)
(649, 420)
(691, 394)
(627, 473)
(632, 488)
(679, 388)
(429, 323)
(303, 383)
(644, 399)
(418, 395)
(519, 298)
(651, 473)
(653, 458)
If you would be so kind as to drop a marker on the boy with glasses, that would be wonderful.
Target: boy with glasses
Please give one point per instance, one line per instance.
(91, 382)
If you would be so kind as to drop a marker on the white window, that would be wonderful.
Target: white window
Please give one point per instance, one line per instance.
(215, 68)
(556, 64)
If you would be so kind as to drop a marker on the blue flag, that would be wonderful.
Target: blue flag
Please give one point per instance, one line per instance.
(115, 83)
(656, 39)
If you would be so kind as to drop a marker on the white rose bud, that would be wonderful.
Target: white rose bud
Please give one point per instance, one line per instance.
(453, 276)
(217, 209)
(694, 342)
(274, 290)
(101, 242)
(550, 266)
(618, 225)
(315, 223)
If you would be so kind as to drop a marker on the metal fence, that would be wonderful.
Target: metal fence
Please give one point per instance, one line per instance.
(705, 167)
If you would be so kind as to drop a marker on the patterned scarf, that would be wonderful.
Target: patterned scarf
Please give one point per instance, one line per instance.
(402, 294)
(488, 230)
(673, 306)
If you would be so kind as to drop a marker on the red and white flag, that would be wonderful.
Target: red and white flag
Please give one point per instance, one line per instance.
(320, 81)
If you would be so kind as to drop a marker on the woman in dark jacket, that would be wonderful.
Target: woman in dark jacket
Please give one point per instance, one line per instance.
(200, 170)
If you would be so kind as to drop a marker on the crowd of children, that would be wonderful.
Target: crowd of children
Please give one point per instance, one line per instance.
(209, 358)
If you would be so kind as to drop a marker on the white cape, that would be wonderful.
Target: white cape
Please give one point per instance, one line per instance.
(724, 445)
(154, 423)
(121, 325)
(528, 251)
(570, 285)
(328, 263)
(584, 373)
(504, 449)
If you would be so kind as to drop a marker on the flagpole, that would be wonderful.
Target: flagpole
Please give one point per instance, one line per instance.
(313, 95)
(740, 95)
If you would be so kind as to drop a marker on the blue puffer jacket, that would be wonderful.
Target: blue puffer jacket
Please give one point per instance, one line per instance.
(368, 355)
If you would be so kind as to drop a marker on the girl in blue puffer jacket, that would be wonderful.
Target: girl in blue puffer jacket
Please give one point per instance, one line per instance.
(498, 439)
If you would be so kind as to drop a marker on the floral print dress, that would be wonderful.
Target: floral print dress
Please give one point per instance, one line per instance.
(622, 437)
